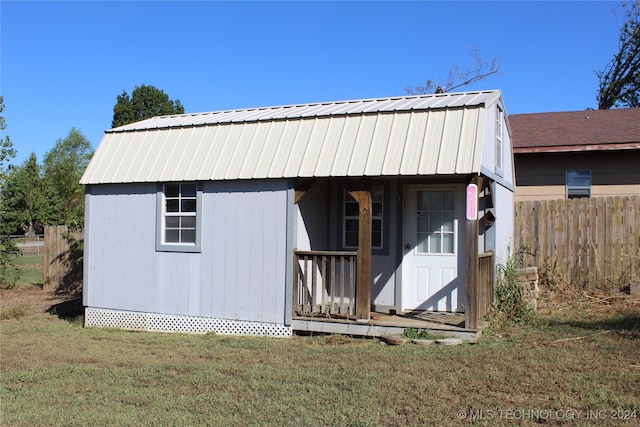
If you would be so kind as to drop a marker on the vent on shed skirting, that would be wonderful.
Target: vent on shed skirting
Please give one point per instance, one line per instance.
(156, 322)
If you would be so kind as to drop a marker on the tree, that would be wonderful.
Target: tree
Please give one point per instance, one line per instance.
(23, 198)
(619, 82)
(8, 250)
(63, 168)
(145, 102)
(7, 151)
(459, 76)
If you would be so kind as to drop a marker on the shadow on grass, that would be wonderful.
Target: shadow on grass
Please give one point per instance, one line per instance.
(628, 323)
(69, 310)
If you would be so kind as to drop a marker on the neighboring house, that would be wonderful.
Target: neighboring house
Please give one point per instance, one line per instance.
(269, 220)
(576, 154)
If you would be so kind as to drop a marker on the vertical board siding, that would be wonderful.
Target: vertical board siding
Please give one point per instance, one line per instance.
(121, 262)
(588, 242)
(238, 275)
(503, 228)
(247, 249)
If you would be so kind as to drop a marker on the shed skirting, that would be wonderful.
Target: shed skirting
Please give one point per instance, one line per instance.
(157, 322)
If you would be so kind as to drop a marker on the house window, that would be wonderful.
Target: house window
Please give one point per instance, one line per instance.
(499, 140)
(351, 215)
(179, 218)
(578, 183)
(436, 231)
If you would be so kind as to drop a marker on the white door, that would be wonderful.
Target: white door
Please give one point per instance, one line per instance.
(433, 253)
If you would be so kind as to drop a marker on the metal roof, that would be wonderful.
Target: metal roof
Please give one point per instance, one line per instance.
(413, 135)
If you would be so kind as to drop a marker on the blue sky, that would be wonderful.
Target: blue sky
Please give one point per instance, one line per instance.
(64, 63)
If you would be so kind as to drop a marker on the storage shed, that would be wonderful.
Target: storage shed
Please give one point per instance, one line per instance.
(307, 217)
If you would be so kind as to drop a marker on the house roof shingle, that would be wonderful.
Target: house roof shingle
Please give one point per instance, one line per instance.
(589, 130)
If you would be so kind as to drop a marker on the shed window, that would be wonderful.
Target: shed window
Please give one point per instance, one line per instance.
(179, 218)
(352, 219)
(578, 183)
(499, 140)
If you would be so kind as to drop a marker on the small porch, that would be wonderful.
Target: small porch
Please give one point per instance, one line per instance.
(326, 294)
(382, 324)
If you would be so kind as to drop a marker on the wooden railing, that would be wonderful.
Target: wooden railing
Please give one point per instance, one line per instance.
(324, 283)
(484, 291)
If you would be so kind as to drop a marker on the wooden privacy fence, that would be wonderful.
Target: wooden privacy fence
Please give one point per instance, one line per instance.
(588, 241)
(62, 260)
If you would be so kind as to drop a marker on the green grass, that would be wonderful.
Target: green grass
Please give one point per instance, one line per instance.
(575, 357)
(54, 372)
(421, 334)
(30, 269)
(31, 260)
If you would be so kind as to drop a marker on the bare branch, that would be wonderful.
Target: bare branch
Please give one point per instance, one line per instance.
(459, 76)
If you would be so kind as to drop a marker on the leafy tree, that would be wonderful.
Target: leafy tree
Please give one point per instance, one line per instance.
(9, 272)
(619, 82)
(8, 250)
(23, 197)
(7, 151)
(145, 102)
(459, 76)
(63, 167)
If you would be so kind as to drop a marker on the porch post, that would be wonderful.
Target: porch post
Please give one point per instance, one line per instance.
(471, 237)
(363, 292)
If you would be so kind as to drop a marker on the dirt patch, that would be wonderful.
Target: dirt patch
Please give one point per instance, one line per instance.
(30, 300)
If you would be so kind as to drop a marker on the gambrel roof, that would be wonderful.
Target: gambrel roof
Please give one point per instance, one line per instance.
(400, 136)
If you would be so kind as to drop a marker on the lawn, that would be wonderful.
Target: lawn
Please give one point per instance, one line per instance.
(579, 363)
(30, 266)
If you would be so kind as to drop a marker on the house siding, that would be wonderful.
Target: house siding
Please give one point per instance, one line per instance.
(541, 176)
(559, 192)
(239, 274)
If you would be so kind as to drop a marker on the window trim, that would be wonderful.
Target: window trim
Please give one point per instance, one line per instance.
(161, 245)
(499, 142)
(384, 221)
(577, 191)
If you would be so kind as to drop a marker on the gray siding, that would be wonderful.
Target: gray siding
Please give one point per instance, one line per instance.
(383, 267)
(505, 223)
(240, 273)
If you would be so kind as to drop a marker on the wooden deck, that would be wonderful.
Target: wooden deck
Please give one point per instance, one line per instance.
(384, 324)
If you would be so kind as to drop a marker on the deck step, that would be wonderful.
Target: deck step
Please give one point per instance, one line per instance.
(374, 330)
